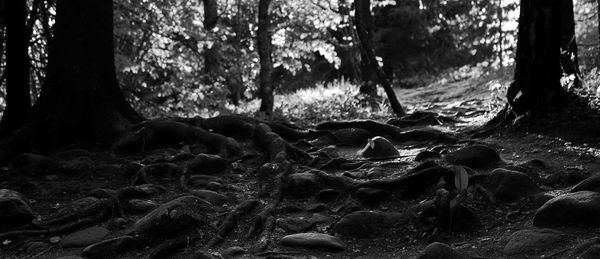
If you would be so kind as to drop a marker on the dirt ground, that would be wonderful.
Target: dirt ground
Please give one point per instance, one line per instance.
(556, 143)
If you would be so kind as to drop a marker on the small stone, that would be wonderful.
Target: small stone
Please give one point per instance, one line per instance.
(379, 147)
(510, 185)
(37, 247)
(532, 240)
(578, 208)
(301, 185)
(328, 195)
(55, 240)
(371, 196)
(84, 237)
(233, 251)
(15, 210)
(362, 224)
(109, 248)
(117, 223)
(440, 251)
(314, 241)
(475, 156)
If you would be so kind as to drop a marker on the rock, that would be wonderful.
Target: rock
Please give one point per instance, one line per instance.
(362, 224)
(137, 206)
(371, 196)
(314, 241)
(37, 247)
(208, 164)
(109, 248)
(15, 210)
(302, 223)
(233, 251)
(510, 185)
(475, 156)
(379, 147)
(301, 185)
(592, 183)
(33, 165)
(532, 240)
(328, 195)
(427, 155)
(578, 208)
(440, 251)
(84, 237)
(211, 196)
(174, 217)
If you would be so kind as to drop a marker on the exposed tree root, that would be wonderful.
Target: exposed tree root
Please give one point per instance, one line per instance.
(172, 246)
(231, 221)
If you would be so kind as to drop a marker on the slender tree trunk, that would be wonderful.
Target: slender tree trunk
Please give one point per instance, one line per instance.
(212, 56)
(362, 12)
(598, 16)
(265, 49)
(80, 99)
(18, 99)
(569, 54)
(536, 84)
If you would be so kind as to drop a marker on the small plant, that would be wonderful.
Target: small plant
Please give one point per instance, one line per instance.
(461, 182)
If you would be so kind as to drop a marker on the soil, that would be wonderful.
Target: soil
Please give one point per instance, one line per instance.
(556, 142)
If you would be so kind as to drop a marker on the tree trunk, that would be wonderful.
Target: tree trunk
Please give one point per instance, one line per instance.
(265, 49)
(212, 56)
(18, 99)
(569, 56)
(500, 34)
(80, 99)
(362, 14)
(536, 85)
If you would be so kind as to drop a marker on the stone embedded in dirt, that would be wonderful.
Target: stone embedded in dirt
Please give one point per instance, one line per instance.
(207, 164)
(510, 185)
(15, 210)
(362, 224)
(109, 248)
(427, 155)
(84, 237)
(578, 208)
(592, 183)
(314, 241)
(211, 196)
(37, 247)
(371, 196)
(174, 217)
(233, 251)
(137, 206)
(532, 240)
(440, 251)
(301, 185)
(379, 147)
(328, 195)
(475, 156)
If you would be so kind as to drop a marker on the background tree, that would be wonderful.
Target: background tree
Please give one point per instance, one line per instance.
(265, 49)
(542, 27)
(18, 100)
(80, 99)
(363, 12)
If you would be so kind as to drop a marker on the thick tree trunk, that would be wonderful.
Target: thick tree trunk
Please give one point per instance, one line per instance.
(362, 12)
(80, 99)
(265, 49)
(536, 84)
(18, 99)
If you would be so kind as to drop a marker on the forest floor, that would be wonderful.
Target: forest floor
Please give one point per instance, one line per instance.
(556, 154)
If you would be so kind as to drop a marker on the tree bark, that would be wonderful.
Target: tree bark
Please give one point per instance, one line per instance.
(18, 99)
(212, 56)
(265, 49)
(536, 85)
(569, 56)
(80, 99)
(362, 12)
